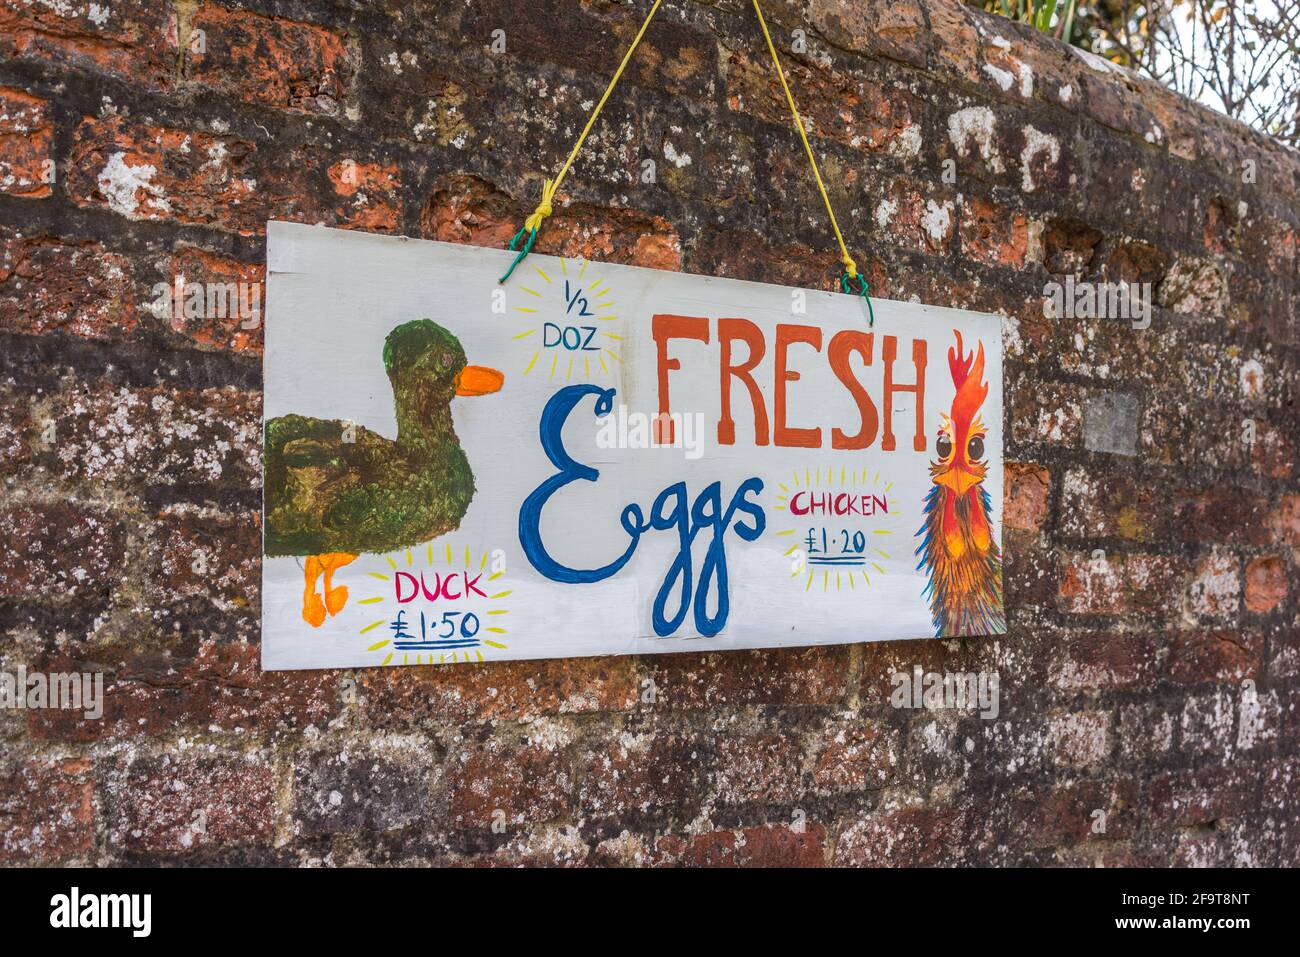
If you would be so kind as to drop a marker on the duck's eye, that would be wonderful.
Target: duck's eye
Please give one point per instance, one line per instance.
(975, 449)
(943, 446)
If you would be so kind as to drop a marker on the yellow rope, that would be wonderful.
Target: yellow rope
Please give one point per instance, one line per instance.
(528, 234)
(534, 222)
(850, 266)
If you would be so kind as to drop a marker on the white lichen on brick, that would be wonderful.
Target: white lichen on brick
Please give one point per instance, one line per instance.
(1037, 143)
(121, 183)
(976, 123)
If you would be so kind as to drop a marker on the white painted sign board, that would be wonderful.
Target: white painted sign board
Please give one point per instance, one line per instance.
(597, 459)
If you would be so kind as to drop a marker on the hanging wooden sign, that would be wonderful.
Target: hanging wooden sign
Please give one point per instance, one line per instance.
(597, 459)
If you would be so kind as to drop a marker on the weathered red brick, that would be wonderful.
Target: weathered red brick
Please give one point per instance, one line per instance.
(846, 108)
(161, 436)
(625, 236)
(15, 425)
(912, 837)
(1026, 499)
(1047, 817)
(59, 549)
(186, 803)
(1213, 655)
(223, 687)
(47, 810)
(1284, 520)
(992, 234)
(748, 847)
(1220, 514)
(53, 285)
(1079, 739)
(1185, 798)
(125, 39)
(1112, 506)
(777, 676)
(898, 31)
(656, 771)
(213, 301)
(859, 758)
(1113, 583)
(1145, 731)
(1101, 660)
(954, 39)
(26, 144)
(499, 784)
(372, 189)
(147, 172)
(1215, 589)
(362, 790)
(1266, 584)
(465, 209)
(214, 556)
(268, 60)
(763, 767)
(1047, 412)
(506, 690)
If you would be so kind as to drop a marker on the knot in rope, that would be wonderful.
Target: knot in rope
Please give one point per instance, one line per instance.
(534, 222)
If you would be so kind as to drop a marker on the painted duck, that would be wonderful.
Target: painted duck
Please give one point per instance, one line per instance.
(335, 490)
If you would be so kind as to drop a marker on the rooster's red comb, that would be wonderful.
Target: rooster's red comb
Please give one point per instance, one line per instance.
(968, 376)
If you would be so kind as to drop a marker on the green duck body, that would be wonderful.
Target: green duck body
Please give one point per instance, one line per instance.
(374, 494)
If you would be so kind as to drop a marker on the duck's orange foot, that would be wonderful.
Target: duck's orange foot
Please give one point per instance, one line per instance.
(313, 609)
(336, 596)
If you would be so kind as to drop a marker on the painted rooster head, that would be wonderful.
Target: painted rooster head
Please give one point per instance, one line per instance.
(960, 443)
(958, 552)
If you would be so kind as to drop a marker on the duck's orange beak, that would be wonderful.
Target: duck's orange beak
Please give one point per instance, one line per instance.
(478, 380)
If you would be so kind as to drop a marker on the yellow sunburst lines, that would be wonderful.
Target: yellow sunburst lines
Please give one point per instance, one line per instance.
(566, 307)
(464, 617)
(852, 553)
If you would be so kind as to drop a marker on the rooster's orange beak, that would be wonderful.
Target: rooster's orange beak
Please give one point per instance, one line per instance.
(957, 479)
(478, 380)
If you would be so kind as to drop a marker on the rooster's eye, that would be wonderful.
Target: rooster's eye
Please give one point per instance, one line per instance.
(943, 446)
(975, 449)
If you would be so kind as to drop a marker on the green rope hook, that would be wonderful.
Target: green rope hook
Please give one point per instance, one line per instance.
(528, 247)
(846, 286)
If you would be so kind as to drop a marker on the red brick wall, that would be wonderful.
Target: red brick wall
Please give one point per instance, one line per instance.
(1154, 680)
